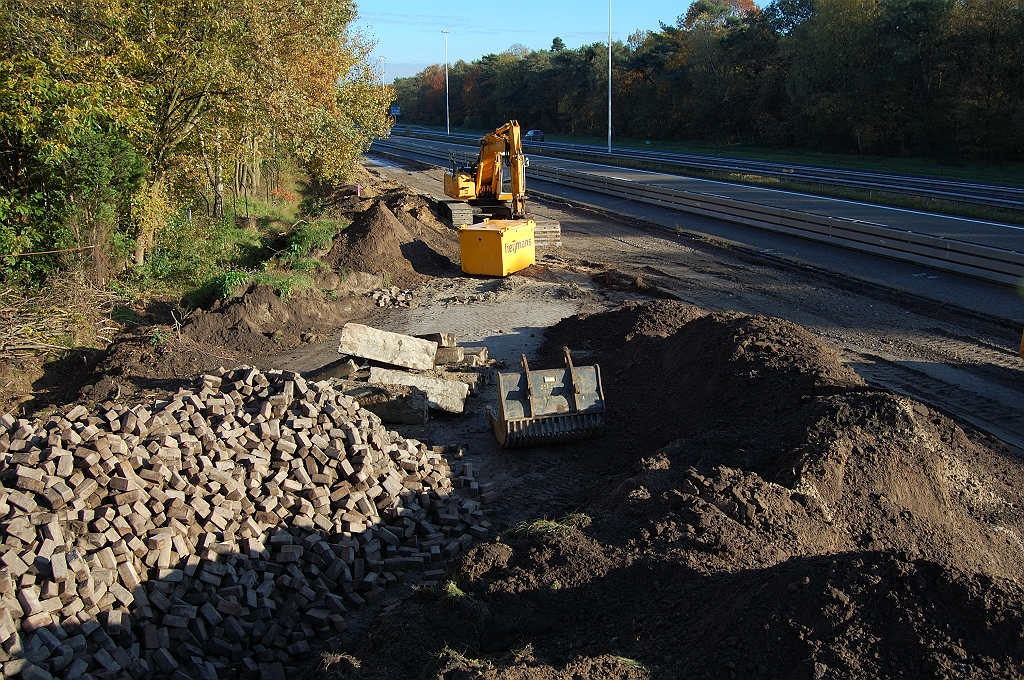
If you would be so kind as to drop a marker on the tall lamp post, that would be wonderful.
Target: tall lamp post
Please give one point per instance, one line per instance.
(383, 63)
(609, 76)
(447, 110)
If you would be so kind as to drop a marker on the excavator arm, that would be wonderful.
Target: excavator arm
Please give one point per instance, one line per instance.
(483, 182)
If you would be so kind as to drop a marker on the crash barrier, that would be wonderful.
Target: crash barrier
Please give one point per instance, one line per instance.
(938, 189)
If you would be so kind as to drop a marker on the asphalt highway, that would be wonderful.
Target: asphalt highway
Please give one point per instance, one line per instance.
(982, 297)
(983, 193)
(993, 234)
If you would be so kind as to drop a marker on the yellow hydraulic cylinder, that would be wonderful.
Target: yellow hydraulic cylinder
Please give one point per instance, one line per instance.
(497, 247)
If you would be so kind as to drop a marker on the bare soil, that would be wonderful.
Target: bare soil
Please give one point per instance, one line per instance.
(394, 239)
(756, 508)
(406, 251)
(777, 517)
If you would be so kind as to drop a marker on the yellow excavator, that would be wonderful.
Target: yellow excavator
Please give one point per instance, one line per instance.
(482, 185)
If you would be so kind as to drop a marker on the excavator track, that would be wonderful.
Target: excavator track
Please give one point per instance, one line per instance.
(457, 212)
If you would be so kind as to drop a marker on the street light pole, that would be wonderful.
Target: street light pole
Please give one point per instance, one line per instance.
(609, 76)
(383, 64)
(447, 110)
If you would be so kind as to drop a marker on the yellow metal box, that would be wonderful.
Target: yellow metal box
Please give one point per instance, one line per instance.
(497, 247)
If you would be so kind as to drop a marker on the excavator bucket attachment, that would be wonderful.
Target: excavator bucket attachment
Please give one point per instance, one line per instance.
(550, 406)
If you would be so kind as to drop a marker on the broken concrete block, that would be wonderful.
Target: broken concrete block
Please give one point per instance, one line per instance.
(442, 339)
(392, 403)
(474, 356)
(340, 369)
(388, 348)
(479, 352)
(447, 356)
(475, 381)
(447, 395)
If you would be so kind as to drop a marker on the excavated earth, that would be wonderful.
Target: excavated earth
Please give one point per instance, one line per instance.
(755, 508)
(394, 239)
(778, 518)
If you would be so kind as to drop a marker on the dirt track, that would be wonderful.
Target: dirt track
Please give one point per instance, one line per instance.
(761, 505)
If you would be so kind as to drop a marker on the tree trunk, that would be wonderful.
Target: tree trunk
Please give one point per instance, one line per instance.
(144, 237)
(214, 176)
(218, 185)
(140, 251)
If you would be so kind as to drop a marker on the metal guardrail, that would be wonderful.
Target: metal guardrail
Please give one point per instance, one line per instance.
(989, 195)
(970, 259)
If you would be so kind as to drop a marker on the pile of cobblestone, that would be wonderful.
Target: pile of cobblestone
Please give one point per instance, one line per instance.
(392, 297)
(221, 533)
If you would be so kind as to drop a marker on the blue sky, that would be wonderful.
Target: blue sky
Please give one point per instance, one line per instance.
(408, 33)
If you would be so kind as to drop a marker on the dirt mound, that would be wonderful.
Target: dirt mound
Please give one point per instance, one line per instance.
(261, 322)
(781, 519)
(762, 423)
(919, 488)
(251, 329)
(865, 615)
(670, 370)
(405, 252)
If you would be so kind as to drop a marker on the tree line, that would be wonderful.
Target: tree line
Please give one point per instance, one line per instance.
(117, 115)
(927, 78)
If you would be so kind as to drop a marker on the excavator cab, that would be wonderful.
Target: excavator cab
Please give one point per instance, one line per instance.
(460, 180)
(502, 240)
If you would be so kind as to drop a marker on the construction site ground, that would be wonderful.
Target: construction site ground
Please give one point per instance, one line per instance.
(802, 476)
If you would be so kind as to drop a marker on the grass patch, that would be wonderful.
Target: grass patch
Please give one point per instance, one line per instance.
(449, 660)
(313, 234)
(307, 237)
(287, 269)
(454, 597)
(520, 654)
(191, 251)
(261, 240)
(452, 589)
(338, 666)
(284, 283)
(626, 662)
(565, 526)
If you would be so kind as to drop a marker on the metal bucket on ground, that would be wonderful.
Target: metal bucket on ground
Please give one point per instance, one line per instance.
(549, 406)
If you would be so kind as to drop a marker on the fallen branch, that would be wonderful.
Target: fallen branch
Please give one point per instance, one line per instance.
(52, 252)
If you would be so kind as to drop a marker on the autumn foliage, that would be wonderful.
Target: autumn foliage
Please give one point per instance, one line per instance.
(928, 78)
(117, 114)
